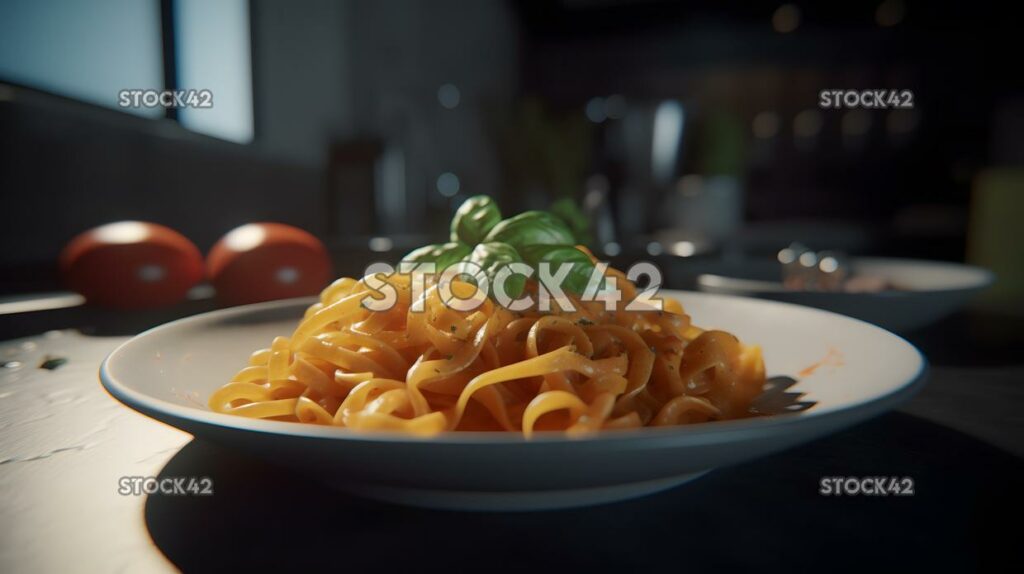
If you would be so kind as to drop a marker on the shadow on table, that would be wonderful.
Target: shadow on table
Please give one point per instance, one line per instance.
(766, 514)
(972, 338)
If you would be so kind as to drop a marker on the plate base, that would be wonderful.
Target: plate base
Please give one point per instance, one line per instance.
(517, 501)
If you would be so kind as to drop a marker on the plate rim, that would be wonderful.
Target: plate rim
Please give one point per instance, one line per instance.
(152, 406)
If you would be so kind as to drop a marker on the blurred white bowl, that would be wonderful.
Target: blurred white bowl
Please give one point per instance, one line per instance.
(926, 291)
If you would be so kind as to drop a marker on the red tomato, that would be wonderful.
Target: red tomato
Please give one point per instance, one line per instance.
(131, 265)
(266, 261)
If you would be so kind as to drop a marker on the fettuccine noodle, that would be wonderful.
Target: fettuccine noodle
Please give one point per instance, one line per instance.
(492, 369)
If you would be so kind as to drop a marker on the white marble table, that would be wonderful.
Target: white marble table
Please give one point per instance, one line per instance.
(65, 444)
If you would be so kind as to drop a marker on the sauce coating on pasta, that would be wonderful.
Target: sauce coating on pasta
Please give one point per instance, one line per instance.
(490, 369)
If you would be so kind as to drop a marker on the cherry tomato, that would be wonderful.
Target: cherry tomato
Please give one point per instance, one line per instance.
(131, 265)
(266, 261)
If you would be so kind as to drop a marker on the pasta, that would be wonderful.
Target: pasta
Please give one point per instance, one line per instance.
(491, 369)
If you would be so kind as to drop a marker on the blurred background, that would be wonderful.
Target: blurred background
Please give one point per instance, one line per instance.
(683, 131)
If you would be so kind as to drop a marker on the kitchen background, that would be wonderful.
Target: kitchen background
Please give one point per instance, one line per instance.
(681, 129)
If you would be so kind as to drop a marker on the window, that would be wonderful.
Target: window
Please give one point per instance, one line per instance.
(213, 53)
(84, 50)
(91, 51)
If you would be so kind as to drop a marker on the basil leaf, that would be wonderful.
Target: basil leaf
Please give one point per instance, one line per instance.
(474, 219)
(492, 257)
(582, 267)
(442, 255)
(532, 228)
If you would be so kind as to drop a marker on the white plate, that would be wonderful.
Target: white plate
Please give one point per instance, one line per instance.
(928, 290)
(848, 371)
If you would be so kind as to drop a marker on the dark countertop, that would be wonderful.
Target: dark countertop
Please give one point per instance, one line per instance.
(66, 444)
